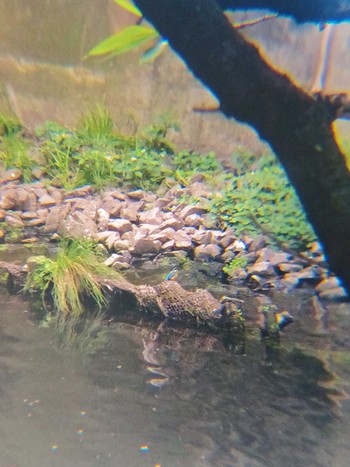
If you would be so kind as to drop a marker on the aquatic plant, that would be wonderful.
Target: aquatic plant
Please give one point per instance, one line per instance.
(70, 278)
(259, 198)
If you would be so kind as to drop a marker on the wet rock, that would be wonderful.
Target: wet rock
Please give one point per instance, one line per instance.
(120, 225)
(207, 252)
(262, 269)
(143, 246)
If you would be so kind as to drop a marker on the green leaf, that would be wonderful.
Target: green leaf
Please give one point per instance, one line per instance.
(127, 5)
(153, 52)
(128, 39)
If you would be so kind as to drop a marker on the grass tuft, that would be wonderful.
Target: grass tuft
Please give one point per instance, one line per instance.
(70, 278)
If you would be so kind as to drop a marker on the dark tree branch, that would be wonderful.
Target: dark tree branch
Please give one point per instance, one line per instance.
(317, 11)
(296, 124)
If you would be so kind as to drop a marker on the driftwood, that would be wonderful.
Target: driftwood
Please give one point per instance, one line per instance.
(167, 299)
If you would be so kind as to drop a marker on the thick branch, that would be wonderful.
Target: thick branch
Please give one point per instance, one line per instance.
(318, 11)
(297, 125)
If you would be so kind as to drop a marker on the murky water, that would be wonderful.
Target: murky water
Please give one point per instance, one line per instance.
(144, 395)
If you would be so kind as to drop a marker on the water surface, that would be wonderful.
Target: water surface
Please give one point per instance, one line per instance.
(142, 394)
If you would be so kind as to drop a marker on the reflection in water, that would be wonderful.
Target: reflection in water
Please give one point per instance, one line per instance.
(151, 394)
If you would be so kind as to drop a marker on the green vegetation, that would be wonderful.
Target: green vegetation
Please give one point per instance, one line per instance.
(131, 38)
(259, 198)
(97, 155)
(256, 197)
(14, 153)
(236, 263)
(70, 277)
(9, 124)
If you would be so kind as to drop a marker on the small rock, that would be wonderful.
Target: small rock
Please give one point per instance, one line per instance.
(120, 225)
(289, 267)
(14, 222)
(53, 218)
(112, 238)
(121, 245)
(46, 200)
(78, 225)
(327, 284)
(38, 173)
(193, 220)
(153, 216)
(336, 294)
(207, 252)
(262, 269)
(8, 200)
(145, 245)
(190, 210)
(257, 244)
(11, 174)
(202, 237)
(112, 206)
(173, 223)
(279, 257)
(137, 194)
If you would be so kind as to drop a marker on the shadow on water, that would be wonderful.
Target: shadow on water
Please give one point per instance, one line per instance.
(142, 393)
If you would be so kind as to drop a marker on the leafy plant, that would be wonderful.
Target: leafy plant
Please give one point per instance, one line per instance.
(131, 38)
(70, 277)
(262, 198)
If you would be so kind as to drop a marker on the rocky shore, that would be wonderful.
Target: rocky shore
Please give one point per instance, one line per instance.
(138, 226)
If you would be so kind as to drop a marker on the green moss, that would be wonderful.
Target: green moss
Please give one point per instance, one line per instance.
(234, 264)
